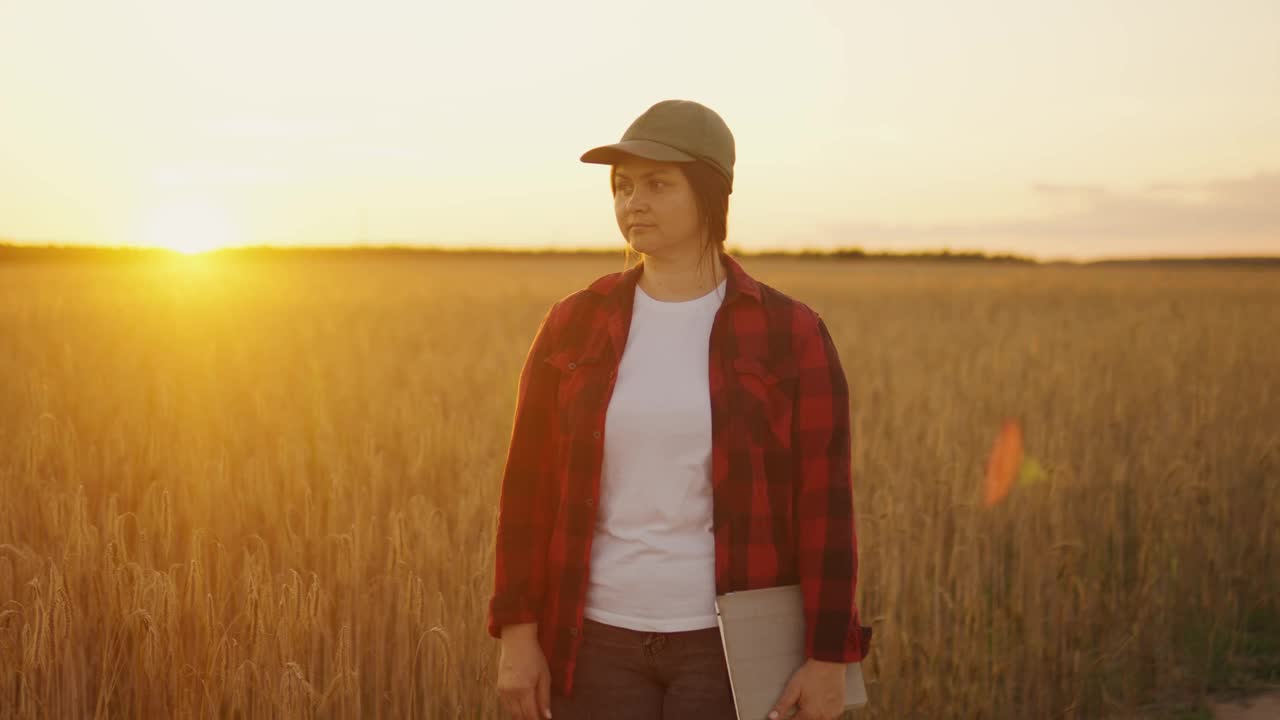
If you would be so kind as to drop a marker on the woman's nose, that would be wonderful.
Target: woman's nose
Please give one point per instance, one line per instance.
(636, 200)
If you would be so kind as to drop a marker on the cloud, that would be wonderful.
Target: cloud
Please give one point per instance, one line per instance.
(1213, 215)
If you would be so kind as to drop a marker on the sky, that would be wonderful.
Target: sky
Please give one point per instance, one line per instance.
(1073, 130)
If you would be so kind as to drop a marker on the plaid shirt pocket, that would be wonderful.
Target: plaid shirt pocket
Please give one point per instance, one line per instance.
(581, 379)
(767, 397)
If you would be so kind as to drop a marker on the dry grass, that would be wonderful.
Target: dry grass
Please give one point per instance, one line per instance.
(269, 490)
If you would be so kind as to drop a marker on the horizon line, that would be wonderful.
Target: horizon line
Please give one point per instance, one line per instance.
(7, 245)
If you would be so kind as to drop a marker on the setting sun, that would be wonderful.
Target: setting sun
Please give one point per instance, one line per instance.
(1041, 129)
(190, 226)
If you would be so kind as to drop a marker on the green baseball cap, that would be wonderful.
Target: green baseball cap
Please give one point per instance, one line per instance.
(674, 131)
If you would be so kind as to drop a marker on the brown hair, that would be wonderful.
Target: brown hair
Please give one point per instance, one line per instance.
(711, 196)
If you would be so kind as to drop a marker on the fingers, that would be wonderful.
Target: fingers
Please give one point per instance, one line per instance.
(543, 691)
(529, 706)
(513, 709)
(520, 704)
(811, 714)
(782, 708)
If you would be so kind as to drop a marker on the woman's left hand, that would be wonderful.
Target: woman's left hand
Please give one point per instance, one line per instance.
(817, 688)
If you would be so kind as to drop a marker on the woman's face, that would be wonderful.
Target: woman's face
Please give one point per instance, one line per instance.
(655, 206)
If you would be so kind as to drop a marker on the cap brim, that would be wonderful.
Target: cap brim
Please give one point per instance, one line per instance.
(612, 154)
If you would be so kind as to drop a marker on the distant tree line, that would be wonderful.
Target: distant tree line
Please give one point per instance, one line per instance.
(90, 253)
(860, 254)
(10, 252)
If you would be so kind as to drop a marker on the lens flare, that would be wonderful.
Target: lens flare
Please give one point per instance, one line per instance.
(1032, 472)
(1004, 462)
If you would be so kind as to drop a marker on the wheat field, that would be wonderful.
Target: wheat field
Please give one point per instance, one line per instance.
(268, 489)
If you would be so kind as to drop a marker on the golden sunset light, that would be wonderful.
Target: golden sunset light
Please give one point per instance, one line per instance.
(702, 359)
(190, 227)
(1083, 130)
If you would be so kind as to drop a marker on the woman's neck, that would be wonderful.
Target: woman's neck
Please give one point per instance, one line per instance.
(676, 279)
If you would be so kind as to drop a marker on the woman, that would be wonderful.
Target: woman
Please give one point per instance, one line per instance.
(681, 431)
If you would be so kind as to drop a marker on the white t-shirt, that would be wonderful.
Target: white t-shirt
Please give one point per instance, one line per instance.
(653, 555)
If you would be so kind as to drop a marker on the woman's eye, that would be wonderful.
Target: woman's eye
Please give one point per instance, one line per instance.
(656, 184)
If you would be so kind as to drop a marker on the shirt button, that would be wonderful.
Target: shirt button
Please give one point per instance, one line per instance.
(591, 502)
(573, 631)
(596, 434)
(573, 366)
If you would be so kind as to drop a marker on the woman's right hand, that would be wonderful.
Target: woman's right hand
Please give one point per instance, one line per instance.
(524, 680)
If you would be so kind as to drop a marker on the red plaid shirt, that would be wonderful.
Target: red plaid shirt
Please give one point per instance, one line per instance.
(780, 470)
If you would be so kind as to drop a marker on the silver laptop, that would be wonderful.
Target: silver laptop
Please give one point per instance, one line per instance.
(763, 632)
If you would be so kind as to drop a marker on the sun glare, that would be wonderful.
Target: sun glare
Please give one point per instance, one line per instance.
(190, 227)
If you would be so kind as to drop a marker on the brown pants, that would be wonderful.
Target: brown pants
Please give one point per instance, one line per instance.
(623, 674)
